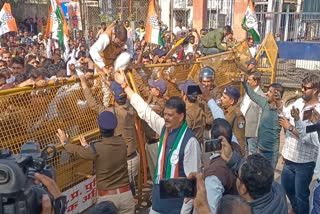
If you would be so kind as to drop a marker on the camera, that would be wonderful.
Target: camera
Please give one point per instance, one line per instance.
(18, 191)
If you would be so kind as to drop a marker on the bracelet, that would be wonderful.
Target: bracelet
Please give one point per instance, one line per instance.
(124, 85)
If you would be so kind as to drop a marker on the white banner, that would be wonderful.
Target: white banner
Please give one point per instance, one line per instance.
(81, 196)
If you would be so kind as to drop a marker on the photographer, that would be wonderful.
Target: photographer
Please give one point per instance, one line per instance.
(53, 189)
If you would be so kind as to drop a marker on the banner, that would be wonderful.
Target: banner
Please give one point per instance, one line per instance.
(81, 196)
(7, 21)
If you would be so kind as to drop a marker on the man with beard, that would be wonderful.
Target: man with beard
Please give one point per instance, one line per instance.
(269, 127)
(300, 149)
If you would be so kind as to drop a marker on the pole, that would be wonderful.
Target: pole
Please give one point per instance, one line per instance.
(287, 24)
(171, 17)
(279, 19)
(269, 17)
(297, 21)
(231, 9)
(130, 8)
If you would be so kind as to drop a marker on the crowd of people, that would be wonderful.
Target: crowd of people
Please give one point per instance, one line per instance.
(237, 178)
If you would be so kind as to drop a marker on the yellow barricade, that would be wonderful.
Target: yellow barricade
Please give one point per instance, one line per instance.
(36, 114)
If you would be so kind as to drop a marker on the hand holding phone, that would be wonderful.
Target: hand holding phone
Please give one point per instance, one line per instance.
(307, 114)
(177, 188)
(212, 145)
(243, 77)
(193, 90)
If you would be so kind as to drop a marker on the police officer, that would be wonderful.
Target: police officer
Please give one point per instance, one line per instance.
(233, 114)
(125, 116)
(206, 78)
(110, 158)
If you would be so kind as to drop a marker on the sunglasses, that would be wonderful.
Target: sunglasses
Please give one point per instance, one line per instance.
(305, 88)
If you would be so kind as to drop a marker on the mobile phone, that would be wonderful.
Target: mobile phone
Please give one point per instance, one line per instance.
(313, 128)
(212, 145)
(177, 188)
(193, 90)
(307, 114)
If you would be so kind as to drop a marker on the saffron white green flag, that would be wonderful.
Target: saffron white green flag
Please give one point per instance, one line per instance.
(57, 25)
(152, 26)
(250, 22)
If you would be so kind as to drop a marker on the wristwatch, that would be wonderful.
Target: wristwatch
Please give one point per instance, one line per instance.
(290, 128)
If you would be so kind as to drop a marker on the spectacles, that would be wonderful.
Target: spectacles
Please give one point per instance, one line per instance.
(305, 88)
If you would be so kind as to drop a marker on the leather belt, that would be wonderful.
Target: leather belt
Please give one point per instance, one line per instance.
(153, 140)
(123, 189)
(132, 155)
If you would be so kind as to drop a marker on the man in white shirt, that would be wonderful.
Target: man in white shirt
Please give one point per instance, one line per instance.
(179, 29)
(109, 47)
(300, 149)
(252, 113)
(179, 150)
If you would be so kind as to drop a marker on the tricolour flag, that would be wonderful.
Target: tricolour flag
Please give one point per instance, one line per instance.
(152, 26)
(57, 25)
(7, 21)
(250, 22)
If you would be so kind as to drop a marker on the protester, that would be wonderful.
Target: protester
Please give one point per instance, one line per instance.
(269, 127)
(211, 43)
(174, 131)
(300, 149)
(252, 113)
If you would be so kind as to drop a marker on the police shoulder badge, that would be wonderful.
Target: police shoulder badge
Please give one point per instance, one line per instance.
(241, 123)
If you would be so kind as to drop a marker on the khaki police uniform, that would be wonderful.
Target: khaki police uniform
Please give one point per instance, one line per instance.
(110, 159)
(237, 121)
(215, 93)
(196, 120)
(125, 128)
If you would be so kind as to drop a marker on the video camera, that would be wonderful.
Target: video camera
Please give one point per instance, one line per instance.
(18, 191)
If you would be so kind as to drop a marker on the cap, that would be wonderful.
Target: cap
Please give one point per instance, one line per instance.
(119, 95)
(159, 52)
(184, 85)
(34, 37)
(107, 120)
(251, 61)
(232, 92)
(40, 34)
(159, 84)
